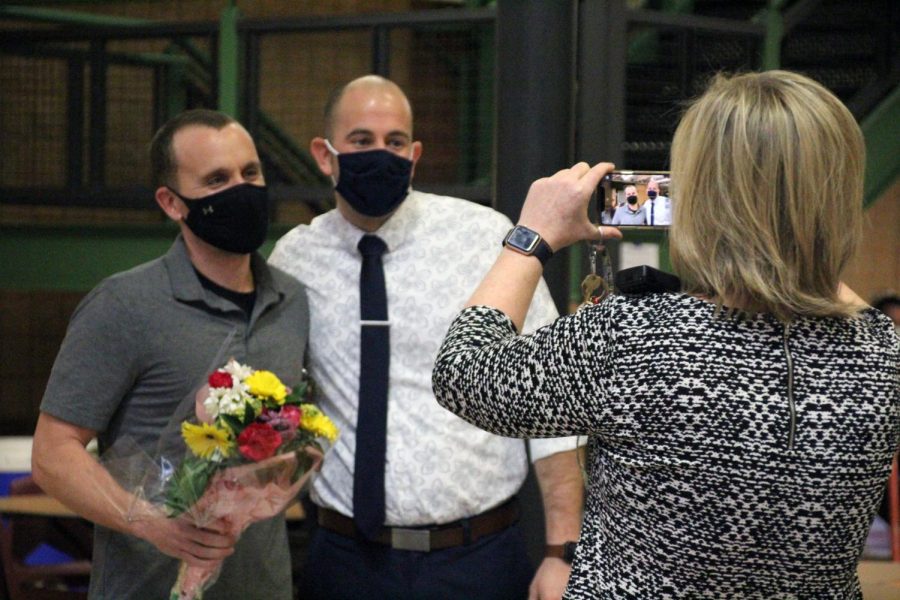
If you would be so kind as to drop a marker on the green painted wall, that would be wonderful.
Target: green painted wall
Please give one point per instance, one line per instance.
(76, 258)
(881, 129)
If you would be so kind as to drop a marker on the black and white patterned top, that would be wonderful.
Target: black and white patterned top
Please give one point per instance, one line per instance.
(730, 456)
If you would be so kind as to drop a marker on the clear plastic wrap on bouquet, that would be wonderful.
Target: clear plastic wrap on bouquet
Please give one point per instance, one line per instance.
(238, 496)
(236, 452)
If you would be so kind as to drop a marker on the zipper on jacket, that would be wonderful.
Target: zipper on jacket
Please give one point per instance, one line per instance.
(792, 408)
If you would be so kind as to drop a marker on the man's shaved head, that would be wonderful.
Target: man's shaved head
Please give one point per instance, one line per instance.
(368, 84)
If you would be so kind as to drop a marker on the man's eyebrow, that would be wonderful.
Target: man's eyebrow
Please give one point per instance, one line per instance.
(359, 132)
(223, 172)
(399, 133)
(395, 133)
(220, 171)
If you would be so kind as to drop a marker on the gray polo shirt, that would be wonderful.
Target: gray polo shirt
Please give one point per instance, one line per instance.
(625, 216)
(137, 346)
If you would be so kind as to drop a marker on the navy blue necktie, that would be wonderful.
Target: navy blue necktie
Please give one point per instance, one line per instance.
(371, 421)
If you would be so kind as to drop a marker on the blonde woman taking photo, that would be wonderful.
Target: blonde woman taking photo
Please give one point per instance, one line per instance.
(741, 432)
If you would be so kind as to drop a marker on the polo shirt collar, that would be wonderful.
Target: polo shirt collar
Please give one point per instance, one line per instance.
(186, 286)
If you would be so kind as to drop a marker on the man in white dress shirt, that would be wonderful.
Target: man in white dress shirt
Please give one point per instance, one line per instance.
(450, 526)
(657, 208)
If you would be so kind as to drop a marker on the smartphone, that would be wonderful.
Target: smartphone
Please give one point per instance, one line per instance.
(635, 199)
(645, 279)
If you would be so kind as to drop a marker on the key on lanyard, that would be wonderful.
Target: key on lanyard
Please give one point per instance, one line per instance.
(594, 281)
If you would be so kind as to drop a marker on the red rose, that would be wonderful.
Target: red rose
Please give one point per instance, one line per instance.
(258, 441)
(220, 379)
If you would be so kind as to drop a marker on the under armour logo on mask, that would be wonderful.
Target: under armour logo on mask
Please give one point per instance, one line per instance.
(207, 210)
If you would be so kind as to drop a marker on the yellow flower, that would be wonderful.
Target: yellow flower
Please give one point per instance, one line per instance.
(318, 422)
(204, 439)
(267, 385)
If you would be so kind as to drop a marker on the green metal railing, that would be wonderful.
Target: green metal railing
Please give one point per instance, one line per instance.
(881, 127)
(185, 65)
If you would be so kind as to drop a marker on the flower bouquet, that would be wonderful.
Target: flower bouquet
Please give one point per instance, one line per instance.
(250, 449)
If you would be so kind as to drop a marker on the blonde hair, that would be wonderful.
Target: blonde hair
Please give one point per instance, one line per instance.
(767, 187)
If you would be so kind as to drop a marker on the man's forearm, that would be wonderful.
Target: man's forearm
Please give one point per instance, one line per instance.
(65, 470)
(562, 491)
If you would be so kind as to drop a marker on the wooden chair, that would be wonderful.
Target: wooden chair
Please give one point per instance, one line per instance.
(20, 535)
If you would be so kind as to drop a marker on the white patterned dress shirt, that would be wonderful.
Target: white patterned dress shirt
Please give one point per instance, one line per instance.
(658, 211)
(438, 467)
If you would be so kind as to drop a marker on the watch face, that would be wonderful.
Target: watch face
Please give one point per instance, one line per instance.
(523, 239)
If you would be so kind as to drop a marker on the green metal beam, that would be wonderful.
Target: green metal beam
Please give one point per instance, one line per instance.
(140, 59)
(678, 6)
(173, 98)
(67, 17)
(91, 2)
(301, 163)
(643, 45)
(771, 58)
(881, 129)
(229, 54)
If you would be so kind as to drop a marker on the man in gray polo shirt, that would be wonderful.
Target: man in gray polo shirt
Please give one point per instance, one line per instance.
(630, 213)
(142, 341)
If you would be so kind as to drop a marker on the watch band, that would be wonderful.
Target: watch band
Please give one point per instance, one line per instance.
(542, 252)
(537, 247)
(564, 551)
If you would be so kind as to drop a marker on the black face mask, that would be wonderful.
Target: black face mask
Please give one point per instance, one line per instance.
(373, 182)
(651, 194)
(632, 200)
(234, 220)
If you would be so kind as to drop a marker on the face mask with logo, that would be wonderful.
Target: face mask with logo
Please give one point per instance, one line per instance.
(373, 182)
(234, 220)
(632, 200)
(651, 194)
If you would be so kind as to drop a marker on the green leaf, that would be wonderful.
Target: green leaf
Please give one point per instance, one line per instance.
(188, 484)
(295, 398)
(301, 393)
(233, 423)
(249, 414)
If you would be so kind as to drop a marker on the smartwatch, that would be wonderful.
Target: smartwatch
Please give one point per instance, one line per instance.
(564, 551)
(528, 242)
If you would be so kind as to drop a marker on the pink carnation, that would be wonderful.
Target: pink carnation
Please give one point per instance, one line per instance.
(285, 420)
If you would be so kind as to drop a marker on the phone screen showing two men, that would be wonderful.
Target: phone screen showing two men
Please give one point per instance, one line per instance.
(635, 199)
